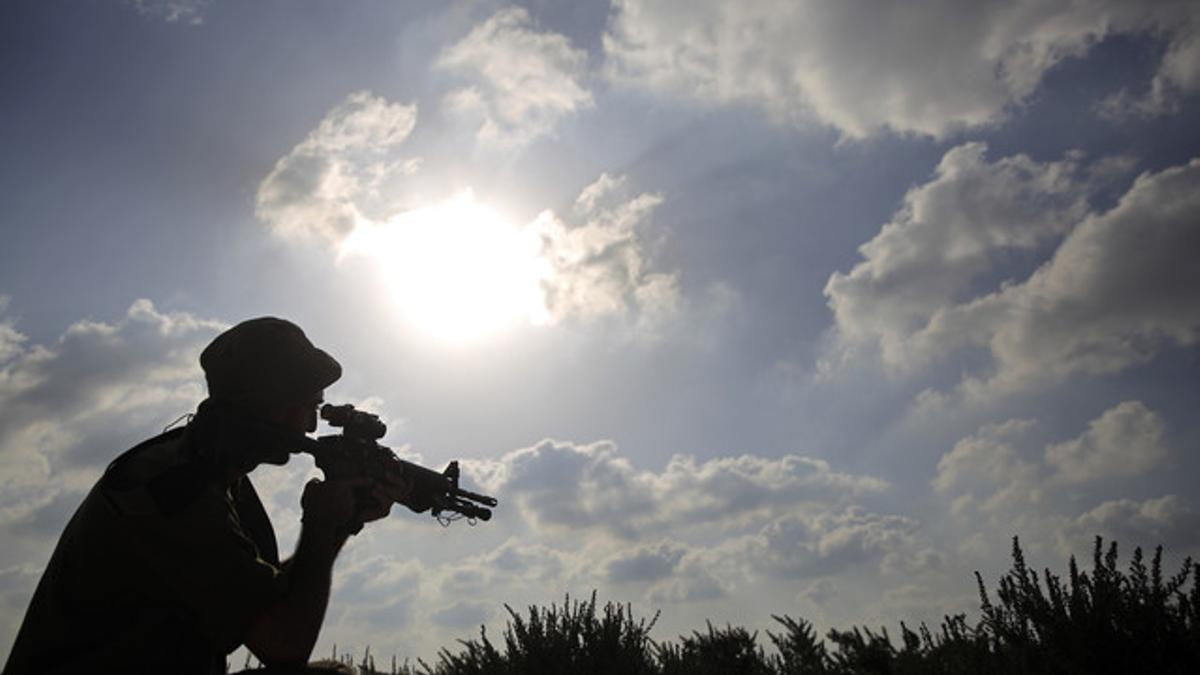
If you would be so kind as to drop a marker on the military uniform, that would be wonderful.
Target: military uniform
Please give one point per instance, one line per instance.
(161, 569)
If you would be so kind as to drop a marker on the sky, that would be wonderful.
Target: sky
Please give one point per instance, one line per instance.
(739, 309)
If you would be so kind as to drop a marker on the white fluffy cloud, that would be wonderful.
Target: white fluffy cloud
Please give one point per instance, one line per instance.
(830, 542)
(334, 177)
(991, 469)
(1119, 288)
(927, 67)
(564, 486)
(1127, 440)
(524, 80)
(691, 580)
(996, 478)
(948, 234)
(68, 408)
(988, 464)
(599, 260)
(692, 533)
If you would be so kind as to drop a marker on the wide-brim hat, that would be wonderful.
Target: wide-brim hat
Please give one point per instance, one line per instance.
(266, 361)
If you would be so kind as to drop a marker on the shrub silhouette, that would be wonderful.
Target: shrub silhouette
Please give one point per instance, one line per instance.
(1108, 621)
(720, 650)
(567, 639)
(1105, 621)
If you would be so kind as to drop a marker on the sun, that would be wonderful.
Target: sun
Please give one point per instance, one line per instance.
(457, 270)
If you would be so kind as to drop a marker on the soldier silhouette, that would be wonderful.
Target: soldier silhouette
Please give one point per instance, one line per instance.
(171, 563)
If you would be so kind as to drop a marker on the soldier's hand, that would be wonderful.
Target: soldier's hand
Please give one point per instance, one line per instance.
(394, 487)
(330, 505)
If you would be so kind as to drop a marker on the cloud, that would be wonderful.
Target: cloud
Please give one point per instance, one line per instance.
(1168, 521)
(462, 614)
(68, 408)
(644, 563)
(564, 486)
(525, 80)
(947, 235)
(1178, 74)
(819, 592)
(1127, 440)
(826, 543)
(336, 175)
(1124, 441)
(172, 11)
(919, 67)
(338, 187)
(692, 532)
(1119, 289)
(461, 264)
(692, 580)
(16, 588)
(1116, 291)
(377, 577)
(996, 475)
(532, 561)
(11, 340)
(599, 262)
(988, 465)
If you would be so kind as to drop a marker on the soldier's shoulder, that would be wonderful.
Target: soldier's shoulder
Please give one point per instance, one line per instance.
(143, 462)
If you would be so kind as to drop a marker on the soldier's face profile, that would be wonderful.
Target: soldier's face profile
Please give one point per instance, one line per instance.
(303, 417)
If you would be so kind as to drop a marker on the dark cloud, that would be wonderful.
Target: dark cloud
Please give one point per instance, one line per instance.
(1169, 521)
(644, 563)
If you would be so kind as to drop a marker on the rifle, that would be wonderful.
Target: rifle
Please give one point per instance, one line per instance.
(356, 453)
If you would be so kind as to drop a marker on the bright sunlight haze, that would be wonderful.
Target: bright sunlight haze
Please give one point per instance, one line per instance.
(456, 270)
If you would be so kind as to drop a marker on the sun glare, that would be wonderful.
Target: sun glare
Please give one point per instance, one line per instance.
(456, 270)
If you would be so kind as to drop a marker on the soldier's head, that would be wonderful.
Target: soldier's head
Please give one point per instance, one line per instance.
(268, 369)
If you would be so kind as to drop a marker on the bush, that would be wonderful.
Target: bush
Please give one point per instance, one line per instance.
(1107, 621)
(725, 650)
(570, 639)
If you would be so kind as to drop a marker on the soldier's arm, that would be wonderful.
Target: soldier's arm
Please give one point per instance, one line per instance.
(286, 631)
